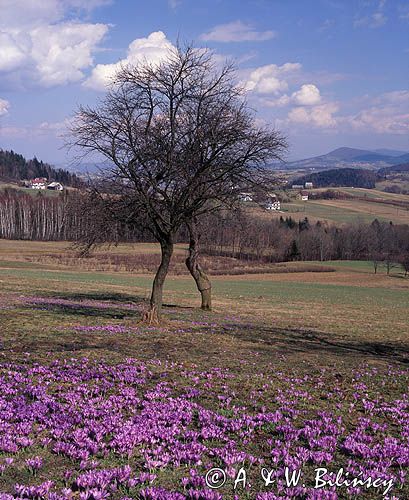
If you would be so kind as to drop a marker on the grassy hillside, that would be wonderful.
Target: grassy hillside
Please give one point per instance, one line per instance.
(361, 204)
(342, 211)
(31, 192)
(351, 294)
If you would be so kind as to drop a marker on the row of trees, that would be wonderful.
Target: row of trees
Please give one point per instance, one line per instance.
(241, 236)
(57, 218)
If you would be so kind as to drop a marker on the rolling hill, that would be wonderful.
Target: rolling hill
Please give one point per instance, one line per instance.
(395, 169)
(349, 158)
(14, 167)
(347, 177)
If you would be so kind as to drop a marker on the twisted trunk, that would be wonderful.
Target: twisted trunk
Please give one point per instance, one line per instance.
(192, 262)
(153, 315)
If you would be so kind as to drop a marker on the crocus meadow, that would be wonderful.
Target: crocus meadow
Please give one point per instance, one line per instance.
(89, 429)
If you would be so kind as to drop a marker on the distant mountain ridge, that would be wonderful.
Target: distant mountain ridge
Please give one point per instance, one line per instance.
(345, 157)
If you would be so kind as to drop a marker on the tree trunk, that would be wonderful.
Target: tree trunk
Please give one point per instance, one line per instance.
(202, 281)
(153, 315)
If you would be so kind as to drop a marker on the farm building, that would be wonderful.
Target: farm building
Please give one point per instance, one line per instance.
(308, 185)
(297, 186)
(55, 186)
(272, 205)
(38, 183)
(245, 197)
(303, 195)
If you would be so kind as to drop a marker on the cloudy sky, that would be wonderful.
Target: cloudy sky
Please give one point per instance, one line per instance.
(328, 73)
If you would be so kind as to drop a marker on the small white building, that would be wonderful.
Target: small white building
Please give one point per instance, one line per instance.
(245, 197)
(303, 195)
(297, 186)
(273, 205)
(38, 183)
(309, 185)
(55, 186)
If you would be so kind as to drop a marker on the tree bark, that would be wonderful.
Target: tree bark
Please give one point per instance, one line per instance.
(153, 315)
(192, 263)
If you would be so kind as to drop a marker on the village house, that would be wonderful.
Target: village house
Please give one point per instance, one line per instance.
(55, 186)
(302, 195)
(272, 205)
(38, 183)
(309, 185)
(245, 197)
(271, 202)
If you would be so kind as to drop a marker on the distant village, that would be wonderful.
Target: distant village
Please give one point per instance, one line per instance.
(268, 202)
(271, 201)
(41, 183)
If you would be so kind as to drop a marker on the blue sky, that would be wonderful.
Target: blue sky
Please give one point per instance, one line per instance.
(328, 73)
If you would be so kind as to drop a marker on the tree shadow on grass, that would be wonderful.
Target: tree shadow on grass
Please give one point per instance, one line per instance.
(116, 297)
(302, 341)
(83, 310)
(95, 304)
(116, 305)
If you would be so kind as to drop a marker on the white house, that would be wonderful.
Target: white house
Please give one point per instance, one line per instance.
(38, 183)
(245, 197)
(273, 205)
(56, 186)
(303, 195)
(309, 185)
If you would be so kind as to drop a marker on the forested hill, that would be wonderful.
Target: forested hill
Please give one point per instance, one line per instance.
(14, 167)
(395, 169)
(348, 177)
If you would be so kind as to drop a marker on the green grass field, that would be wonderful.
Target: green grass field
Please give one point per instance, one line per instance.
(346, 211)
(29, 191)
(351, 301)
(355, 209)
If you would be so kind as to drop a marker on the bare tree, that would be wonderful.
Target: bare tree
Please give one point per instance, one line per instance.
(181, 142)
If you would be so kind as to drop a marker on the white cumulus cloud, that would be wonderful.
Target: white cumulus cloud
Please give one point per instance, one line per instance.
(320, 116)
(40, 47)
(60, 52)
(308, 95)
(270, 79)
(12, 53)
(22, 14)
(236, 31)
(151, 49)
